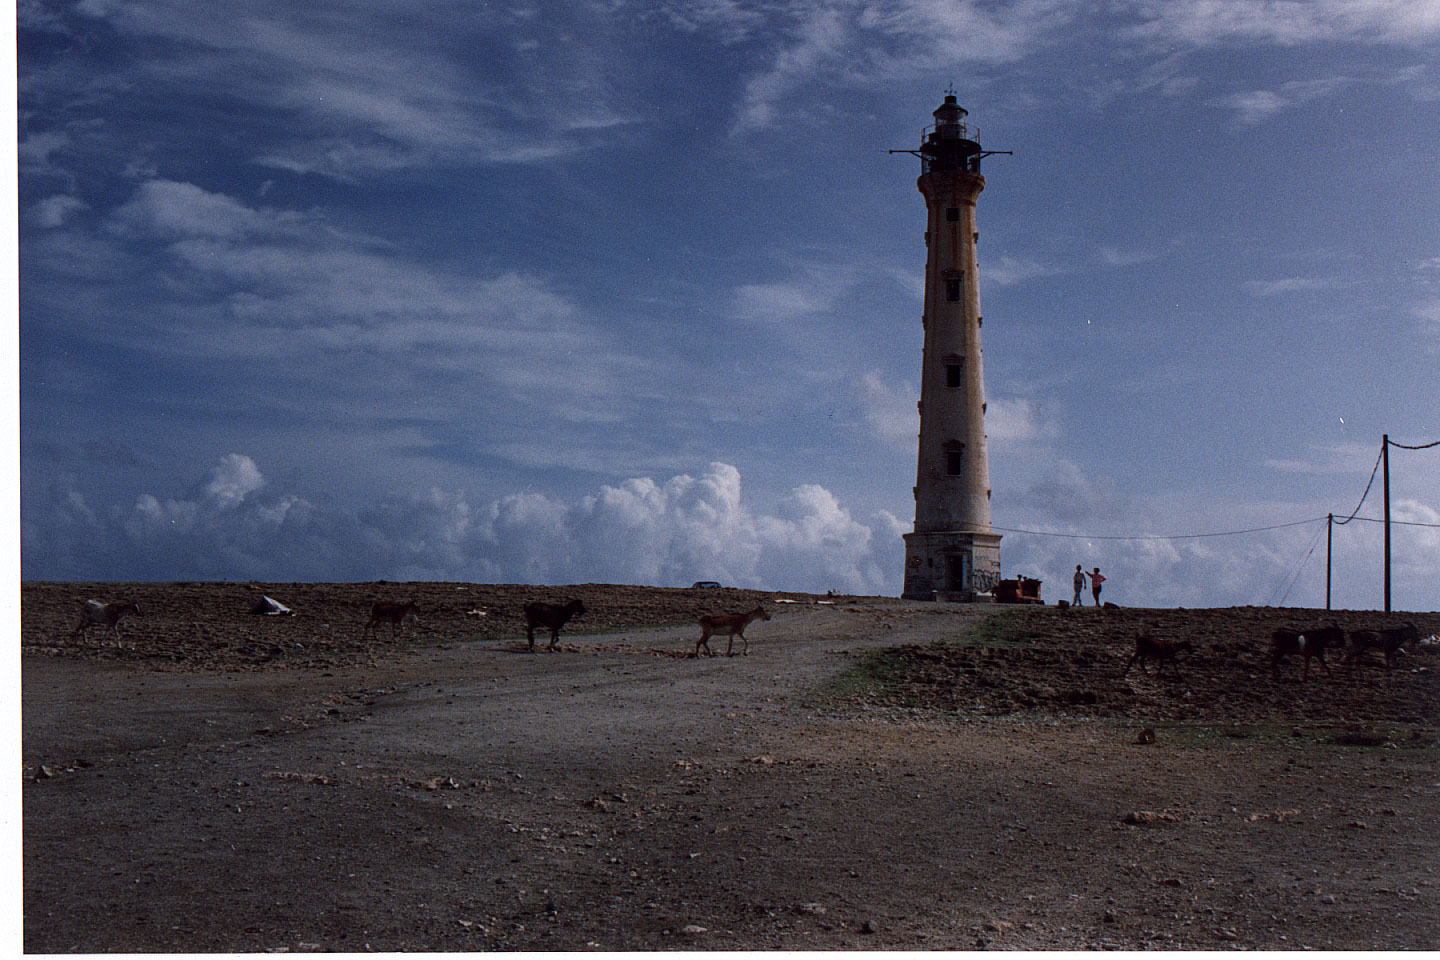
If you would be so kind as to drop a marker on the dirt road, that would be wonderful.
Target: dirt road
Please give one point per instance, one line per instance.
(618, 796)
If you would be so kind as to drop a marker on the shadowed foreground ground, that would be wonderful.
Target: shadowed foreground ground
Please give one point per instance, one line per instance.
(618, 795)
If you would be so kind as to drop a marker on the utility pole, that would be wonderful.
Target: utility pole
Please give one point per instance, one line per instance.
(1329, 540)
(1385, 458)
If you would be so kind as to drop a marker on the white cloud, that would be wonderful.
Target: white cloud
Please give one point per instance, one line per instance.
(395, 88)
(666, 533)
(1286, 22)
(890, 410)
(1009, 270)
(169, 209)
(1332, 459)
(861, 43)
(1017, 421)
(779, 303)
(54, 211)
(1256, 106)
(234, 478)
(1270, 288)
(1115, 257)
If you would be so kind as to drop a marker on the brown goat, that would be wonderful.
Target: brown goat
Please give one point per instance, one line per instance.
(551, 617)
(391, 613)
(1306, 643)
(1387, 641)
(97, 614)
(732, 623)
(1161, 651)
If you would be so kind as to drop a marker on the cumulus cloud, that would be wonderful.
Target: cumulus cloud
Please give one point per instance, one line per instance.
(890, 410)
(670, 532)
(167, 208)
(54, 211)
(1017, 420)
(235, 477)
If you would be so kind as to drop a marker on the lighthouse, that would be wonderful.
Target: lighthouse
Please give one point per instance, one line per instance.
(952, 553)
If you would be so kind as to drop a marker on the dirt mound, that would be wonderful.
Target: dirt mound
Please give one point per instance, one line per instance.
(1057, 661)
(209, 626)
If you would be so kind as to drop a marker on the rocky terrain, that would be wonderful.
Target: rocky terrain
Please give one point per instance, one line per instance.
(876, 774)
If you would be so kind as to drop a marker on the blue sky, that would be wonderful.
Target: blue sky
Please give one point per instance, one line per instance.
(631, 292)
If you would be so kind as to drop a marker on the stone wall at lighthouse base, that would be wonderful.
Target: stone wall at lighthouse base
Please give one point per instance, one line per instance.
(947, 565)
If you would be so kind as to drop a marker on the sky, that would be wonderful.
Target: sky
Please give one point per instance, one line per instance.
(631, 291)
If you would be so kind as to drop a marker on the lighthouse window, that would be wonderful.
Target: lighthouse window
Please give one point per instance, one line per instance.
(952, 464)
(952, 214)
(952, 289)
(952, 375)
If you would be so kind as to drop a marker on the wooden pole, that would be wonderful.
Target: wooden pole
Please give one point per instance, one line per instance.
(1329, 540)
(1385, 458)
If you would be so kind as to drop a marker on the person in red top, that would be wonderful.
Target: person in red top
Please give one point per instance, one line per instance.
(1095, 580)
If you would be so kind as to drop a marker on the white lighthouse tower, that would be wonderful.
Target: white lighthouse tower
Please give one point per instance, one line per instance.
(953, 554)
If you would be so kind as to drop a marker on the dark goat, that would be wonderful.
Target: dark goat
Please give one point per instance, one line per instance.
(551, 617)
(1388, 641)
(731, 623)
(97, 614)
(1306, 643)
(1149, 648)
(391, 613)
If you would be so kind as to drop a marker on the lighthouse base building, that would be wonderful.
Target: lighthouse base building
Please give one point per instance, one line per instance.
(951, 566)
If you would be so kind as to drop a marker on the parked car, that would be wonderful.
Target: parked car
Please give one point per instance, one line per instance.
(705, 585)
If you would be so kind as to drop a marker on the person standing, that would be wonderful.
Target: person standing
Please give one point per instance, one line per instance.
(1096, 579)
(1079, 586)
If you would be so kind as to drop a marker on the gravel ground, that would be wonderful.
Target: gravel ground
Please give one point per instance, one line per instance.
(234, 783)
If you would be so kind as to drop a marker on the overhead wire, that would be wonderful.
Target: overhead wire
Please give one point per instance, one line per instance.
(1367, 490)
(1299, 568)
(1354, 515)
(1179, 536)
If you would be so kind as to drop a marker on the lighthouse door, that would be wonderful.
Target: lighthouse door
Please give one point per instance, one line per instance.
(957, 573)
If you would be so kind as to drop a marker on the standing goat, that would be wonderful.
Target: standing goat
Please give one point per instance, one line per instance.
(731, 623)
(1306, 643)
(1387, 641)
(391, 613)
(1149, 648)
(551, 617)
(105, 615)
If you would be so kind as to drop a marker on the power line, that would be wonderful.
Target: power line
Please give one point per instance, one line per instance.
(1402, 523)
(1299, 568)
(1341, 523)
(1196, 536)
(1182, 536)
(1423, 446)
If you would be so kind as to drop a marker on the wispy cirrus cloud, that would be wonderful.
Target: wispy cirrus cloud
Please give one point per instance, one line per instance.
(1257, 106)
(1272, 288)
(327, 91)
(865, 42)
(1285, 22)
(1008, 270)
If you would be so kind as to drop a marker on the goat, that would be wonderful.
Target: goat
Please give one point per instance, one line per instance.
(1150, 648)
(391, 613)
(1306, 643)
(1389, 641)
(105, 615)
(732, 623)
(550, 616)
